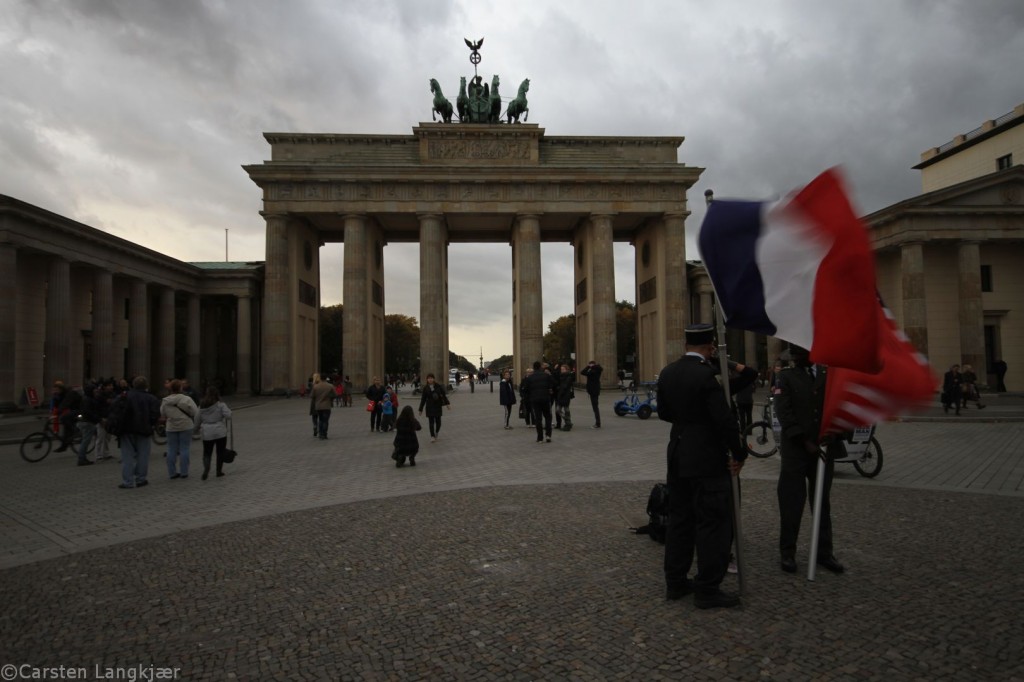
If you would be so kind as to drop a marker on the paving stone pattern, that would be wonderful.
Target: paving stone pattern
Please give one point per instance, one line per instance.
(497, 558)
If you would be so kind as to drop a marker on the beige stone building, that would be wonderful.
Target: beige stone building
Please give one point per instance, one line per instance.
(77, 303)
(449, 183)
(951, 260)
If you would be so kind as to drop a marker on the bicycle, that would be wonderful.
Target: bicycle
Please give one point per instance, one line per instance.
(863, 450)
(762, 437)
(36, 446)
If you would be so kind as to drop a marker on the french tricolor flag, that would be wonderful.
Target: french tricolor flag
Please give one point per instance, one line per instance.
(800, 269)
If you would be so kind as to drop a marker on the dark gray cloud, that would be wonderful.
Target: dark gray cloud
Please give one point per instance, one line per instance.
(136, 115)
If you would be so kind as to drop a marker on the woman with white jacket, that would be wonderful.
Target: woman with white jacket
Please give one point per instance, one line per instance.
(213, 426)
(179, 412)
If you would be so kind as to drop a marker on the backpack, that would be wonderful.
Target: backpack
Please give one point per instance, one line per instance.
(120, 415)
(657, 514)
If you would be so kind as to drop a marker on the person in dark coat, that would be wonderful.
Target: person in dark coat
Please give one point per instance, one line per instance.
(538, 389)
(999, 369)
(506, 395)
(407, 444)
(563, 395)
(799, 406)
(137, 437)
(593, 374)
(434, 398)
(952, 389)
(375, 392)
(704, 432)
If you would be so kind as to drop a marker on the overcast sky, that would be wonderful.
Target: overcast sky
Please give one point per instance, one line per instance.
(135, 116)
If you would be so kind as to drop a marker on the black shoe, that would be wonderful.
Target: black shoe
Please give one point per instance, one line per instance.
(85, 462)
(122, 486)
(830, 563)
(677, 593)
(206, 475)
(219, 474)
(788, 564)
(412, 461)
(142, 484)
(175, 476)
(715, 600)
(548, 439)
(62, 448)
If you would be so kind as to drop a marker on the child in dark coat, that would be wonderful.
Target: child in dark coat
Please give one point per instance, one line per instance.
(407, 444)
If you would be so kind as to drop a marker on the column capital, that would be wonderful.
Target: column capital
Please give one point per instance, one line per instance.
(675, 215)
(273, 214)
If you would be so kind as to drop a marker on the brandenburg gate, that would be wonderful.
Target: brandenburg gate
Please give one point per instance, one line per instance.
(455, 182)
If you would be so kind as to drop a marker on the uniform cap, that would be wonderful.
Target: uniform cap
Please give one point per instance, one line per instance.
(700, 334)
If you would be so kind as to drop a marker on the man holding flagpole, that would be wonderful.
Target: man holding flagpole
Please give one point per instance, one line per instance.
(704, 432)
(799, 406)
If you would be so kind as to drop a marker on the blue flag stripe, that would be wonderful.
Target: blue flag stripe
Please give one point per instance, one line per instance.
(727, 242)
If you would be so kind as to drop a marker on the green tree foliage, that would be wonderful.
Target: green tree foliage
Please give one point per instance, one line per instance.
(330, 339)
(560, 340)
(500, 363)
(401, 344)
(625, 332)
(460, 363)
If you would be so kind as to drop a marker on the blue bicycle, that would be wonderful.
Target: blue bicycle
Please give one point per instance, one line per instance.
(634, 404)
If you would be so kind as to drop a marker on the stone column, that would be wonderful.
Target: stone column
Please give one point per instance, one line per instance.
(676, 294)
(603, 291)
(529, 305)
(750, 349)
(8, 339)
(278, 308)
(192, 343)
(165, 341)
(355, 301)
(972, 315)
(103, 323)
(774, 350)
(433, 297)
(138, 334)
(915, 308)
(707, 305)
(243, 384)
(57, 344)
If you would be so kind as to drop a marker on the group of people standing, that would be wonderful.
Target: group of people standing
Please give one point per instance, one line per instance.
(705, 450)
(128, 411)
(544, 387)
(960, 387)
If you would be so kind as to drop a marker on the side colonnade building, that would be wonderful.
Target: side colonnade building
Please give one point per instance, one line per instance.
(79, 303)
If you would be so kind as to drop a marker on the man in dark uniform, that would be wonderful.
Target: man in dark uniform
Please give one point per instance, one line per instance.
(798, 405)
(537, 388)
(691, 397)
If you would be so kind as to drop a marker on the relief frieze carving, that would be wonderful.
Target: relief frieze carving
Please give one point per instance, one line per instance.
(553, 192)
(478, 149)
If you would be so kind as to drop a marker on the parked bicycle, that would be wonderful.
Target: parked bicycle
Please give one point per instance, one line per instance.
(863, 450)
(36, 446)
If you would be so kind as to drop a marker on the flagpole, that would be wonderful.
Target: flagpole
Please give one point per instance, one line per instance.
(723, 364)
(819, 487)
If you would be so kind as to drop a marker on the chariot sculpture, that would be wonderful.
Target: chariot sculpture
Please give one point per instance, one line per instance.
(477, 101)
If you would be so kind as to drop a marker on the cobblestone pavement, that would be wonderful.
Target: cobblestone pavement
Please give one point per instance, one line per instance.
(498, 558)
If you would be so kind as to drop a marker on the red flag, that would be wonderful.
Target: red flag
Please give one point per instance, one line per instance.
(904, 384)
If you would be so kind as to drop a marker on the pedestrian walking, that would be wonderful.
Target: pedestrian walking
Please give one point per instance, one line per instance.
(433, 400)
(322, 397)
(506, 395)
(538, 388)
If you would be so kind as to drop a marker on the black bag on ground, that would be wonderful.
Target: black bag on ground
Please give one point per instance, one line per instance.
(657, 514)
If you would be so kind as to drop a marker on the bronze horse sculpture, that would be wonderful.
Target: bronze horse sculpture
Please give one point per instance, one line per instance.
(518, 106)
(495, 100)
(462, 101)
(441, 104)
